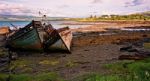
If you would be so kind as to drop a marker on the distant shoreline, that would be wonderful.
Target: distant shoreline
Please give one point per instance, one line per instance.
(79, 20)
(27, 20)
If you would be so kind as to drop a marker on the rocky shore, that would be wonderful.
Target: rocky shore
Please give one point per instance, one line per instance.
(90, 51)
(104, 25)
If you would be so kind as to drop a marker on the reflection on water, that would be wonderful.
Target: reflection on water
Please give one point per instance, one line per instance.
(135, 29)
(16, 23)
(128, 29)
(71, 24)
(101, 34)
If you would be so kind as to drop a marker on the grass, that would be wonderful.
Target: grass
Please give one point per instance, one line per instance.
(126, 70)
(98, 77)
(104, 78)
(71, 63)
(19, 64)
(48, 62)
(147, 45)
(3, 52)
(122, 71)
(3, 77)
(131, 71)
(26, 77)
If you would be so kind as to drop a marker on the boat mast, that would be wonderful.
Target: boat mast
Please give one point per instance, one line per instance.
(43, 19)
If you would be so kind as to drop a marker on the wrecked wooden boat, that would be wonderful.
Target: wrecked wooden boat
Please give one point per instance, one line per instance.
(36, 36)
(26, 38)
(60, 39)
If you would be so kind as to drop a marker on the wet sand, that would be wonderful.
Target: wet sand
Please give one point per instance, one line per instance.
(103, 25)
(90, 52)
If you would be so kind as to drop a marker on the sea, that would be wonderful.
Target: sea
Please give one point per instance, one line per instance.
(59, 24)
(55, 24)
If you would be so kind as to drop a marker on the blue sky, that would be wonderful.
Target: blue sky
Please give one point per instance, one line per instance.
(72, 8)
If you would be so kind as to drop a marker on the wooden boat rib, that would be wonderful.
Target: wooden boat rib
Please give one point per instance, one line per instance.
(26, 38)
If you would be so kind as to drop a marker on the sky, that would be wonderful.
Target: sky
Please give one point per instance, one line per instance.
(72, 8)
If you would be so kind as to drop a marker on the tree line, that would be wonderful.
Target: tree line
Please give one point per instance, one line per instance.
(116, 17)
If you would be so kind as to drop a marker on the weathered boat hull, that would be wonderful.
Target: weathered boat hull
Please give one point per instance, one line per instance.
(35, 36)
(26, 39)
(60, 40)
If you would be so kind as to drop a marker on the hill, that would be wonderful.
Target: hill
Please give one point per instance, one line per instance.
(25, 18)
(146, 13)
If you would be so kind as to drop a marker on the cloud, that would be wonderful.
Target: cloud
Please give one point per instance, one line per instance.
(96, 1)
(63, 6)
(13, 0)
(10, 9)
(136, 3)
(72, 8)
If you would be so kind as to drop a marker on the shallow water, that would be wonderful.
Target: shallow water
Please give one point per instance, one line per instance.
(133, 29)
(55, 24)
